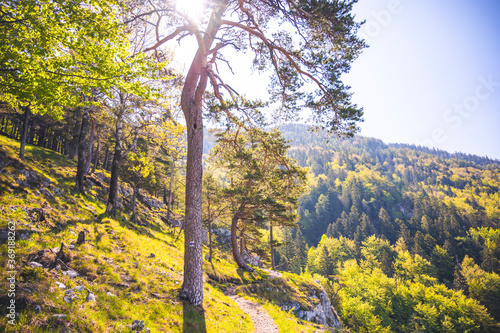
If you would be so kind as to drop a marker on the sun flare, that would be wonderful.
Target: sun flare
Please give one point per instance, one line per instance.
(191, 8)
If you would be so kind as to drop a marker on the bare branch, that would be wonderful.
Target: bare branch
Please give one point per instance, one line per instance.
(167, 38)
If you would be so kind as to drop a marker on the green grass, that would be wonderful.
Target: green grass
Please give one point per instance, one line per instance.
(114, 260)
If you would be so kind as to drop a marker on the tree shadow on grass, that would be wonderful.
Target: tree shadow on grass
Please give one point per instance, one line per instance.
(193, 318)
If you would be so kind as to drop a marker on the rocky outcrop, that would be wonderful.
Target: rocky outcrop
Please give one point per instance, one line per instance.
(222, 235)
(252, 259)
(322, 313)
(150, 202)
(171, 222)
(100, 181)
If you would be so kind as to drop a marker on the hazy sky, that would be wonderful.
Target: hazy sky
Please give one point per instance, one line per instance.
(431, 75)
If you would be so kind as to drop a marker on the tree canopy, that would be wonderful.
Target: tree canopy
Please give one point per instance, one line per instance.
(55, 52)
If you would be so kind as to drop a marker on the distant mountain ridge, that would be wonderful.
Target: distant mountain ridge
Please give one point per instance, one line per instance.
(298, 134)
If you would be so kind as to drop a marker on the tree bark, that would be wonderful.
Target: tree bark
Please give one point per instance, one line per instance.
(115, 169)
(242, 243)
(31, 133)
(273, 264)
(13, 129)
(80, 170)
(191, 104)
(73, 145)
(210, 246)
(170, 190)
(96, 156)
(105, 162)
(209, 215)
(65, 149)
(234, 245)
(55, 142)
(24, 134)
(3, 122)
(90, 147)
(41, 136)
(192, 288)
(134, 197)
(47, 141)
(6, 128)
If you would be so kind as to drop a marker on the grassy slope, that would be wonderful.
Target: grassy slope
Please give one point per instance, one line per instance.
(114, 260)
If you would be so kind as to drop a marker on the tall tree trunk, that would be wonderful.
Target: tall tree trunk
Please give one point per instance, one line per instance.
(41, 136)
(242, 243)
(24, 134)
(210, 246)
(3, 122)
(234, 245)
(55, 142)
(13, 129)
(134, 197)
(191, 104)
(13, 132)
(65, 149)
(96, 156)
(90, 147)
(170, 190)
(80, 170)
(73, 145)
(29, 131)
(115, 169)
(273, 264)
(47, 141)
(32, 132)
(209, 214)
(7, 126)
(192, 288)
(105, 163)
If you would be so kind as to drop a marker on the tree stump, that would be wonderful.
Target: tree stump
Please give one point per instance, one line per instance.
(81, 238)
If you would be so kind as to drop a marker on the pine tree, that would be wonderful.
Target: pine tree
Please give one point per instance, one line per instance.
(300, 248)
(264, 183)
(385, 225)
(324, 264)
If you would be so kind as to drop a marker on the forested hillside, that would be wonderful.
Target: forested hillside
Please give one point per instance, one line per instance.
(401, 232)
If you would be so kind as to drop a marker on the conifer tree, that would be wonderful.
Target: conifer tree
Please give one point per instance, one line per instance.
(300, 248)
(324, 264)
(264, 183)
(312, 56)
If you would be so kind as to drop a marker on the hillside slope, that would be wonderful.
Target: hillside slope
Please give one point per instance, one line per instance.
(409, 238)
(124, 276)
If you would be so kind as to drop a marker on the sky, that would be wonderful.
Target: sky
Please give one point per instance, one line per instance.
(431, 75)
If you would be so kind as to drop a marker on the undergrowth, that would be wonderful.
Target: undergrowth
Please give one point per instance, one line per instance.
(134, 271)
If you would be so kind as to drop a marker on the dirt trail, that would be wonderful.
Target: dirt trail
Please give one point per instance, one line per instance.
(262, 321)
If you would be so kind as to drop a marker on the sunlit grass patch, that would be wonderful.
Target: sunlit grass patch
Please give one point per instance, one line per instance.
(135, 271)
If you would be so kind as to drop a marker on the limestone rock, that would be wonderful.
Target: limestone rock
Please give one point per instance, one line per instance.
(71, 274)
(91, 298)
(222, 235)
(137, 325)
(36, 264)
(252, 259)
(322, 313)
